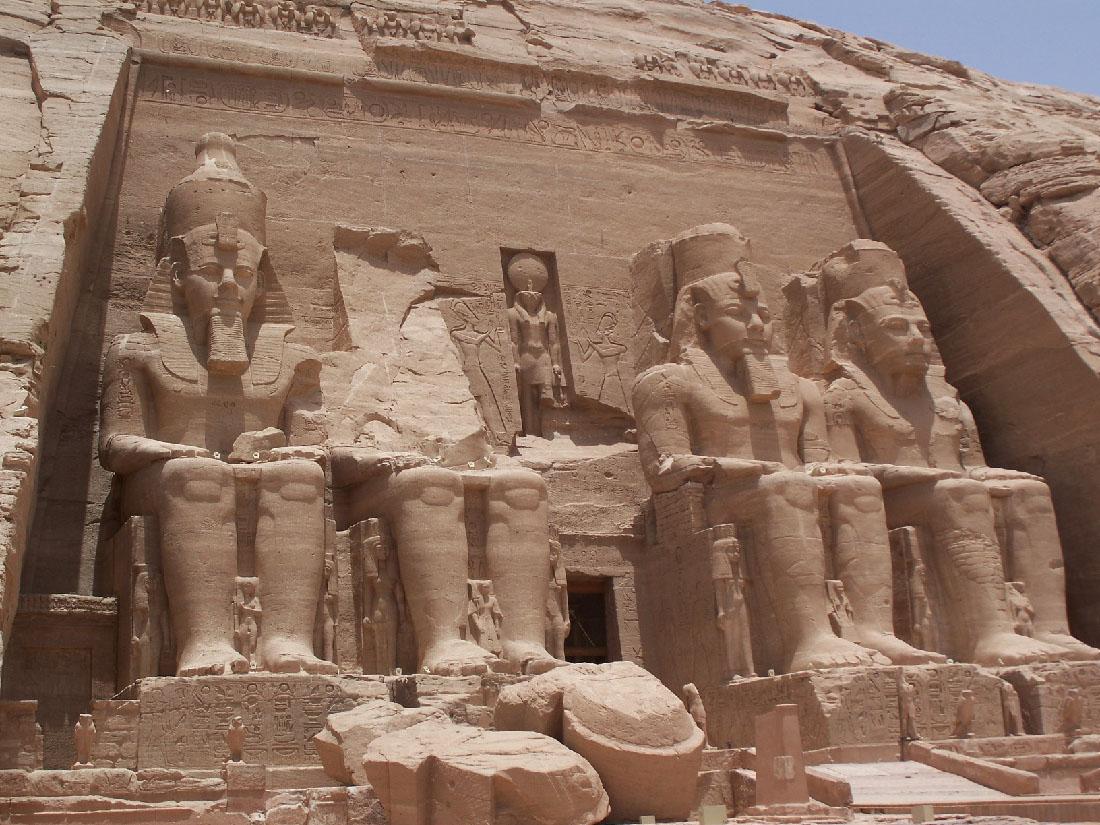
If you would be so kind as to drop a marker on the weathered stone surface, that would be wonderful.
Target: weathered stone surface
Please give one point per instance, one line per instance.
(348, 734)
(640, 739)
(411, 158)
(636, 733)
(182, 721)
(536, 705)
(860, 706)
(436, 773)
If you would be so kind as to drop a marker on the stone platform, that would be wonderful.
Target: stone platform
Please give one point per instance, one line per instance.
(180, 722)
(1043, 691)
(858, 706)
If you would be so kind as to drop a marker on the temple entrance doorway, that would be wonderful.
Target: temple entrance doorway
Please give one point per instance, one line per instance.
(589, 604)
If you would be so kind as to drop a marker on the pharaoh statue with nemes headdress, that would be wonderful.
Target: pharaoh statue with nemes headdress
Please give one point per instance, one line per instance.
(211, 388)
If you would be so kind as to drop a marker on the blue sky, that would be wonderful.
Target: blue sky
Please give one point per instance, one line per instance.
(1041, 41)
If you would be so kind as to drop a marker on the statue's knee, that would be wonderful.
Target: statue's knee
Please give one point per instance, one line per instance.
(435, 486)
(196, 479)
(300, 481)
(861, 493)
(796, 490)
(518, 489)
(1032, 496)
(961, 491)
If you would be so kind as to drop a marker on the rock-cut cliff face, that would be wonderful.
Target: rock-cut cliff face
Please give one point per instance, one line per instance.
(584, 129)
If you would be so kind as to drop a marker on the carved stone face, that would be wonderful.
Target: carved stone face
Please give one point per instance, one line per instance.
(224, 285)
(896, 338)
(530, 301)
(732, 319)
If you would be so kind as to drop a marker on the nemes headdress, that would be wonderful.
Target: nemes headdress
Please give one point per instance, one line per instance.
(711, 260)
(213, 211)
(706, 259)
(859, 277)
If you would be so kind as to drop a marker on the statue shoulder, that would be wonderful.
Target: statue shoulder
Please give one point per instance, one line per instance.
(302, 356)
(809, 388)
(304, 361)
(842, 388)
(133, 346)
(662, 375)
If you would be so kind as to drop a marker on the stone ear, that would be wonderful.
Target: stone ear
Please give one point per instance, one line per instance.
(702, 320)
(854, 334)
(266, 274)
(177, 259)
(853, 330)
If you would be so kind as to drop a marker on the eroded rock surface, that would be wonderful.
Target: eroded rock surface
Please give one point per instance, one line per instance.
(443, 774)
(634, 731)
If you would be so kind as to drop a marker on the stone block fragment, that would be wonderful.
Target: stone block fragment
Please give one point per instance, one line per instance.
(437, 773)
(636, 733)
(347, 735)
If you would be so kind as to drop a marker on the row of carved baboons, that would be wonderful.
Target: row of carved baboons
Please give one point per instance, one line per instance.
(286, 15)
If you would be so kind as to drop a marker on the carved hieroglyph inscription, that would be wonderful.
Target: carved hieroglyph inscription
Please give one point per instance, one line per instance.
(183, 721)
(360, 103)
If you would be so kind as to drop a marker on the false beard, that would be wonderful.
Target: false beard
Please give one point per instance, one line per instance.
(761, 385)
(228, 354)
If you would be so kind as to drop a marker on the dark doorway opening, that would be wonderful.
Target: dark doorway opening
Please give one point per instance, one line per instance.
(587, 639)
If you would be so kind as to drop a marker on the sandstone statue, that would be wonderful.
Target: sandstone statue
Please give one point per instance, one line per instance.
(235, 736)
(483, 616)
(536, 342)
(1010, 709)
(727, 412)
(424, 507)
(964, 715)
(694, 703)
(211, 370)
(907, 707)
(890, 415)
(557, 603)
(84, 734)
(731, 614)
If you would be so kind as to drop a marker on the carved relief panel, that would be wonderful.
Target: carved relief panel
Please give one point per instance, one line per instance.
(600, 327)
(479, 329)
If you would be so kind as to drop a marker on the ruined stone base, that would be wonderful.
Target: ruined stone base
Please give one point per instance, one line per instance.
(465, 699)
(1043, 690)
(181, 722)
(859, 706)
(20, 736)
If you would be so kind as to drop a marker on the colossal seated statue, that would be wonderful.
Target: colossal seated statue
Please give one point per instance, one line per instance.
(726, 412)
(424, 506)
(209, 391)
(886, 410)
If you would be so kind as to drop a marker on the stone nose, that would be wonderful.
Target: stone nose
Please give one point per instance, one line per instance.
(227, 286)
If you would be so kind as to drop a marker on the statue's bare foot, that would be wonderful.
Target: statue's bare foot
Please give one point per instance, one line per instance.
(210, 660)
(456, 658)
(1076, 649)
(532, 658)
(292, 656)
(827, 652)
(896, 650)
(1013, 649)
